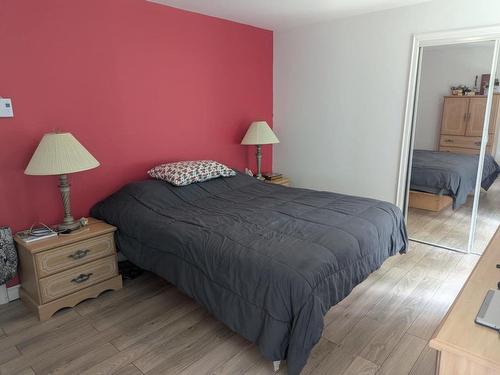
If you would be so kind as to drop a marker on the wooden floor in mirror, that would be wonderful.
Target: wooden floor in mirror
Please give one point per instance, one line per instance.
(451, 227)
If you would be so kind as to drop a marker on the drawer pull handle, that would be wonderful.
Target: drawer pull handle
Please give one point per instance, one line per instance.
(477, 143)
(81, 278)
(79, 254)
(448, 140)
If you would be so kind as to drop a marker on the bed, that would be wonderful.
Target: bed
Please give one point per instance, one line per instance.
(267, 260)
(448, 177)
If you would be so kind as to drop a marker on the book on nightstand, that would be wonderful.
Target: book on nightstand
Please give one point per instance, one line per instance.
(272, 176)
(30, 235)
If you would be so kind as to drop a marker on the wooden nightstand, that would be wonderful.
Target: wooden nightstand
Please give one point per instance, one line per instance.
(65, 270)
(279, 181)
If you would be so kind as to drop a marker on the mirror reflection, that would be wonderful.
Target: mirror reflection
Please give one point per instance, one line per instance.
(448, 130)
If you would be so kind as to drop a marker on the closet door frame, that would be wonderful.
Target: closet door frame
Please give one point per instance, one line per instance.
(442, 38)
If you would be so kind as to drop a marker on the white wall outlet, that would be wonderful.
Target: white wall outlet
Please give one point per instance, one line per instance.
(6, 109)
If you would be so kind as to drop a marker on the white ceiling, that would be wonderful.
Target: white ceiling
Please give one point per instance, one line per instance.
(283, 14)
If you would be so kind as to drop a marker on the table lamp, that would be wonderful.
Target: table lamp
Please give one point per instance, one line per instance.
(259, 133)
(61, 154)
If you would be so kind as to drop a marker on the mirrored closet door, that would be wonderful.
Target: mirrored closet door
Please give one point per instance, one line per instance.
(488, 206)
(488, 217)
(452, 108)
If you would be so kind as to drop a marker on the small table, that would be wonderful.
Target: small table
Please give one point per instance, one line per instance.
(62, 271)
(279, 181)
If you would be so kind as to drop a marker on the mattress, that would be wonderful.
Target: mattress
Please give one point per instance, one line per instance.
(447, 173)
(267, 260)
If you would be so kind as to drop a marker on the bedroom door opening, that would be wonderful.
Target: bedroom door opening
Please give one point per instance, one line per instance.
(451, 194)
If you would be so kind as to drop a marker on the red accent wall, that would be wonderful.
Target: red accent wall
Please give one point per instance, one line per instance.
(137, 83)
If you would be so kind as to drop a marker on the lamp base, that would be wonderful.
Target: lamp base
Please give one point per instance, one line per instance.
(68, 226)
(260, 178)
(69, 223)
(259, 162)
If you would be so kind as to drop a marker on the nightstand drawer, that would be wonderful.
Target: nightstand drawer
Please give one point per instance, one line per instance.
(67, 282)
(66, 257)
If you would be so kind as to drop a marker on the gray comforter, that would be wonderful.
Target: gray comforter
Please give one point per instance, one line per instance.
(450, 174)
(267, 260)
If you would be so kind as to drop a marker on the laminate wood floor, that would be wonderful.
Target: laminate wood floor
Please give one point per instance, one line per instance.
(451, 227)
(382, 327)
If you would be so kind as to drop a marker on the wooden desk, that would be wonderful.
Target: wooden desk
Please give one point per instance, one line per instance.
(464, 347)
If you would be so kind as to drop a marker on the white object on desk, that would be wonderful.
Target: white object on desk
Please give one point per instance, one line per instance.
(6, 109)
(489, 314)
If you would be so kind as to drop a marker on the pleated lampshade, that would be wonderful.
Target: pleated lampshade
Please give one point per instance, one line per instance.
(259, 133)
(60, 153)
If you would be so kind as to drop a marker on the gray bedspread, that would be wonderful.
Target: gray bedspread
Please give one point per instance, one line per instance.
(267, 260)
(447, 173)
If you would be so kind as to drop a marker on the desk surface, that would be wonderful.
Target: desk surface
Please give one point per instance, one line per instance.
(458, 334)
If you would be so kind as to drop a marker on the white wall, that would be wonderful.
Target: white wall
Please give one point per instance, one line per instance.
(443, 67)
(340, 91)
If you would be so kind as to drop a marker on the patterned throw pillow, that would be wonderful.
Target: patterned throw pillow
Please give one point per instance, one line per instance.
(8, 255)
(183, 173)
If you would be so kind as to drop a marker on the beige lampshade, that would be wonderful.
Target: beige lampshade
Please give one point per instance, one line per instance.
(60, 153)
(259, 133)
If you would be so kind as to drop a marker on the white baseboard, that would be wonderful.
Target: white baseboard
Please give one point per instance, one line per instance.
(8, 294)
(4, 297)
(13, 292)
